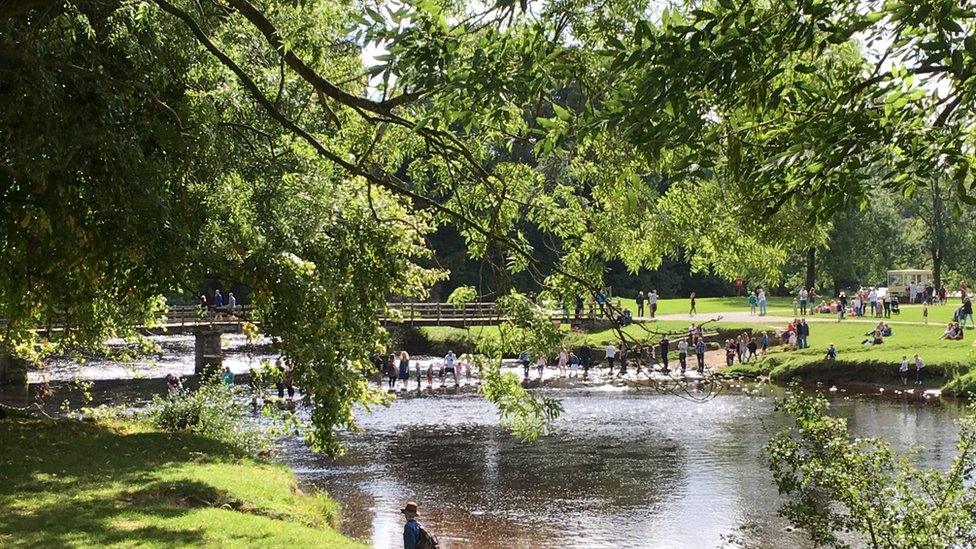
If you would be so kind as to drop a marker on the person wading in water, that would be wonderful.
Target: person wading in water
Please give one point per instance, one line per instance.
(414, 535)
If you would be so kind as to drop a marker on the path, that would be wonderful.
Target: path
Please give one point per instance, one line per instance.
(744, 317)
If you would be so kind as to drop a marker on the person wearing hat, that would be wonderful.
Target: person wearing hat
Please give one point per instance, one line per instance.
(411, 530)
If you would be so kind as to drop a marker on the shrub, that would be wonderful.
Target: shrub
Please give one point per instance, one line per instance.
(213, 411)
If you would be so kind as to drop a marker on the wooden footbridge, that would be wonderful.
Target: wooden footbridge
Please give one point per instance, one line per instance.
(207, 325)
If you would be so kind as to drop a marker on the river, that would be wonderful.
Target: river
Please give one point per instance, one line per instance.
(621, 468)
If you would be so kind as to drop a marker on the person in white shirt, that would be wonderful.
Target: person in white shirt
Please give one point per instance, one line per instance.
(804, 296)
(612, 353)
(231, 302)
(873, 298)
(683, 354)
(652, 302)
(449, 365)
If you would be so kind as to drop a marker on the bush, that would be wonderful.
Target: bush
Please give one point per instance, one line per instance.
(213, 411)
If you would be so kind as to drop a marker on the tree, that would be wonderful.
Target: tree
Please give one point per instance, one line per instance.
(864, 243)
(847, 491)
(153, 143)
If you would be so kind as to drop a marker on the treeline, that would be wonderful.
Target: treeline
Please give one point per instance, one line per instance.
(926, 230)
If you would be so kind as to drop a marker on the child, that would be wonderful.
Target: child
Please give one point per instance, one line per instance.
(831, 352)
(796, 306)
(765, 343)
(919, 370)
(574, 363)
(925, 312)
(430, 376)
(903, 370)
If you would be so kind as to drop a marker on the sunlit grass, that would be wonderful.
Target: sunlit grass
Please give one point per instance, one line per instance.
(71, 484)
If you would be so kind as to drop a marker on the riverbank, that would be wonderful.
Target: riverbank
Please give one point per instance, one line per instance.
(67, 483)
(948, 363)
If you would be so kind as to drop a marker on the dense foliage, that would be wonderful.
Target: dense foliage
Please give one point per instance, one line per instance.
(148, 144)
(846, 491)
(215, 411)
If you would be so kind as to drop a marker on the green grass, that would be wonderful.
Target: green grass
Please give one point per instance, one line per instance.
(707, 305)
(783, 306)
(949, 362)
(72, 484)
(945, 359)
(442, 337)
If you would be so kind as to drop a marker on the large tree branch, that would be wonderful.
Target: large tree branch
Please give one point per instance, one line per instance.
(374, 174)
(310, 75)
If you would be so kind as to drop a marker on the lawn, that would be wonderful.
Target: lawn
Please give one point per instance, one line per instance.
(949, 362)
(945, 359)
(782, 306)
(707, 305)
(71, 484)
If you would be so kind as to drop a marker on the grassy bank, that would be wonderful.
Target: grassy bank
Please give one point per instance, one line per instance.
(72, 484)
(947, 362)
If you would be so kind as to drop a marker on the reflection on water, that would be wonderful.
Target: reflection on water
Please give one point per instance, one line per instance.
(619, 470)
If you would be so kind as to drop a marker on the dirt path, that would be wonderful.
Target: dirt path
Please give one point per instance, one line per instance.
(744, 317)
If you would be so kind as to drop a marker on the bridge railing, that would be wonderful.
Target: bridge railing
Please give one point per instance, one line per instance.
(413, 312)
(473, 313)
(408, 312)
(194, 314)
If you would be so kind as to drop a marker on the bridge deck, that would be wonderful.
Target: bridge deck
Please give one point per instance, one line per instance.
(188, 318)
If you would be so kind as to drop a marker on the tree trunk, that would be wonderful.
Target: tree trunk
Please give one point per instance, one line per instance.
(938, 234)
(811, 267)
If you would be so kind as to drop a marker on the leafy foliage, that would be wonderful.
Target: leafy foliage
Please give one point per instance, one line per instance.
(214, 411)
(151, 144)
(847, 491)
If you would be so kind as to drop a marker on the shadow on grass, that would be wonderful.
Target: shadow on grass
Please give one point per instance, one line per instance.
(67, 483)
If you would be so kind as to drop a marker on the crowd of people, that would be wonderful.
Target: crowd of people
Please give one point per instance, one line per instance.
(746, 347)
(216, 304)
(619, 357)
(402, 369)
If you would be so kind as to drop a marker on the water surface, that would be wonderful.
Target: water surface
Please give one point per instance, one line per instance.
(620, 469)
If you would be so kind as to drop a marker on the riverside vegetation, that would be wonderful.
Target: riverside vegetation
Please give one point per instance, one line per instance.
(181, 475)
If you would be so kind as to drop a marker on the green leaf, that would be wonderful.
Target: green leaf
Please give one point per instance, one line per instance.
(561, 112)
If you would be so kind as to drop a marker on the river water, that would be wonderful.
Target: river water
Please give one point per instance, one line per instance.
(621, 467)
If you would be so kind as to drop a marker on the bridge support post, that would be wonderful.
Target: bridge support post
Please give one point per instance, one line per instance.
(209, 354)
(13, 370)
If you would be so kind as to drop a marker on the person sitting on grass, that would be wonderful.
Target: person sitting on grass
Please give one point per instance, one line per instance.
(952, 331)
(831, 353)
(876, 337)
